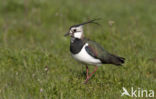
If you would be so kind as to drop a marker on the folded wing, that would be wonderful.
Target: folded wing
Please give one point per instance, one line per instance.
(95, 50)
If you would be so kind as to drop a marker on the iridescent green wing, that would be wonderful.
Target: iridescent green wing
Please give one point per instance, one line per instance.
(97, 51)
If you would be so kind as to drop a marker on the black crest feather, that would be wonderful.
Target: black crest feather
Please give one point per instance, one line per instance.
(90, 21)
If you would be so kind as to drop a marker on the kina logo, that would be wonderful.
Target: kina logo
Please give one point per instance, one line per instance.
(137, 92)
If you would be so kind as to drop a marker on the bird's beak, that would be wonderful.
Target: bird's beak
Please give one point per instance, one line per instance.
(66, 34)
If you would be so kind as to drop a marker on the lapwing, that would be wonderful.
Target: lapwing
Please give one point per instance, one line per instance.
(89, 52)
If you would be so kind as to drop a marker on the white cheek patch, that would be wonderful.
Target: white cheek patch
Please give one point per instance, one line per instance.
(78, 35)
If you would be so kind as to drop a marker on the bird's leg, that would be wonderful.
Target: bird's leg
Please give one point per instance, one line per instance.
(90, 74)
(86, 71)
(93, 71)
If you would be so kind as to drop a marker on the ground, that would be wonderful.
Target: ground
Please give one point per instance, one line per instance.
(35, 62)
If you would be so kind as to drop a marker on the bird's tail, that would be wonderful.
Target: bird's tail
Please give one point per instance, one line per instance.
(117, 60)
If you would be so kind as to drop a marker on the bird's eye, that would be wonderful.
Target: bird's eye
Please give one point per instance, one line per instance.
(74, 30)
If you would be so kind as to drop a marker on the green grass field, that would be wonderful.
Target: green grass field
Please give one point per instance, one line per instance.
(35, 62)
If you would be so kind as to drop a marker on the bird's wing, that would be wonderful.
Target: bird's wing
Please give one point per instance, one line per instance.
(97, 51)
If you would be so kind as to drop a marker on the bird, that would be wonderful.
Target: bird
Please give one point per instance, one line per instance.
(89, 52)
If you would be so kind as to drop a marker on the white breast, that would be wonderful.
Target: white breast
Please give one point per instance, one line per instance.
(84, 57)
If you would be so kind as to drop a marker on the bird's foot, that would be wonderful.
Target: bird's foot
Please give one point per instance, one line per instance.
(87, 78)
(86, 81)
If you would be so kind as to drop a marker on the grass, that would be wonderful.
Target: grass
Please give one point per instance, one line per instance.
(35, 61)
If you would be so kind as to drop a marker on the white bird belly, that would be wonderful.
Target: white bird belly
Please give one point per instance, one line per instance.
(84, 57)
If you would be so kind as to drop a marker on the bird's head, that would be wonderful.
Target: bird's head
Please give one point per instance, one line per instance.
(76, 31)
